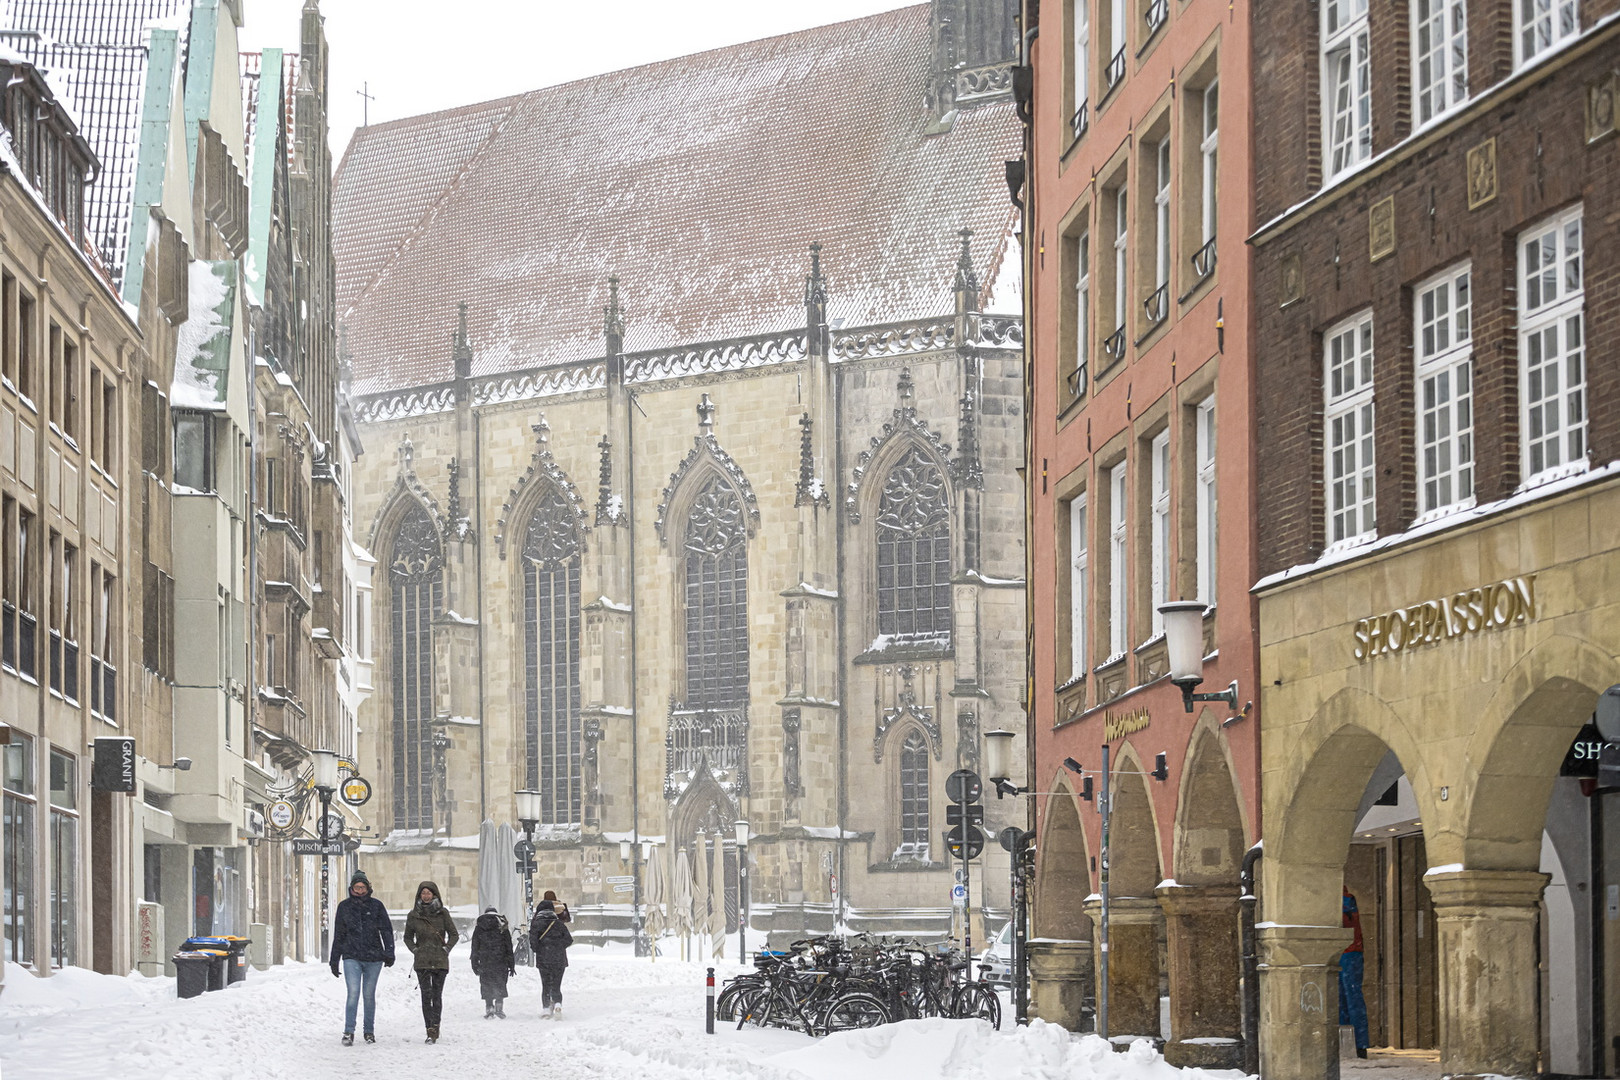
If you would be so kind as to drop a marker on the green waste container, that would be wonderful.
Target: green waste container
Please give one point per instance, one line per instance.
(191, 973)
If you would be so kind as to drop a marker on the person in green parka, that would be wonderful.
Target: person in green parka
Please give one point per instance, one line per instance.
(430, 933)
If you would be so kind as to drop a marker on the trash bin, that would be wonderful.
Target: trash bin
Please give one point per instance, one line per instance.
(191, 973)
(236, 965)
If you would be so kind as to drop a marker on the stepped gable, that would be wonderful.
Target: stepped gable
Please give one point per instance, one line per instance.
(95, 52)
(700, 181)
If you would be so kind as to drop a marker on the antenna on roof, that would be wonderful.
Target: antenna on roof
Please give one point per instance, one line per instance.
(366, 98)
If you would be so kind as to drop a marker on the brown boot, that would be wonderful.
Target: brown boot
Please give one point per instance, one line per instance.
(433, 1034)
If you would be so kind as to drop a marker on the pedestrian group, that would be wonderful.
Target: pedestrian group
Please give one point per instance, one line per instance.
(363, 944)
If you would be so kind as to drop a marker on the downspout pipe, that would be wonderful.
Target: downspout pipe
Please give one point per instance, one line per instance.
(1251, 961)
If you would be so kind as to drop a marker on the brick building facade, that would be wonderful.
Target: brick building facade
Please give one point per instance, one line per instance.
(1436, 432)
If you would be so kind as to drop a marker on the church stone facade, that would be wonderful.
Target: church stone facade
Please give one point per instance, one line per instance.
(685, 548)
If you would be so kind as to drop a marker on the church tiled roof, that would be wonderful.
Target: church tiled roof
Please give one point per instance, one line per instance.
(700, 181)
(95, 50)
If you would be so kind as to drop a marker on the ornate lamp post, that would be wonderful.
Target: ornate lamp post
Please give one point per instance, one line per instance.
(324, 766)
(742, 890)
(528, 812)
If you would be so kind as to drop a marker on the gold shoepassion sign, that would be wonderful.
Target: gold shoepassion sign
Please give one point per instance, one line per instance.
(1118, 725)
(1490, 607)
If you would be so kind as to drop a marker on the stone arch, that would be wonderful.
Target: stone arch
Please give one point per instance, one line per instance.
(544, 477)
(407, 489)
(1134, 862)
(1310, 824)
(703, 816)
(1210, 836)
(1524, 733)
(1063, 870)
(706, 459)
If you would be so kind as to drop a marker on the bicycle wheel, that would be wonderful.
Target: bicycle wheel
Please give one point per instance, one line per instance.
(726, 1005)
(977, 1001)
(853, 1010)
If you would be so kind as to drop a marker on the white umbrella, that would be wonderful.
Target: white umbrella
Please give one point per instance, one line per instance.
(682, 915)
(489, 866)
(510, 903)
(700, 888)
(717, 899)
(654, 899)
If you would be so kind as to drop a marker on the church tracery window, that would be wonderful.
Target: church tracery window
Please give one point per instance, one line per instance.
(417, 595)
(715, 549)
(914, 550)
(551, 643)
(914, 796)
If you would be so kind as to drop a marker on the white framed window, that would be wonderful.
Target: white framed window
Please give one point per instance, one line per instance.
(1081, 20)
(1204, 438)
(1159, 528)
(1552, 348)
(1445, 392)
(1541, 24)
(1079, 580)
(1082, 313)
(1440, 56)
(1346, 85)
(1208, 148)
(1348, 426)
(1121, 254)
(1161, 219)
(1117, 591)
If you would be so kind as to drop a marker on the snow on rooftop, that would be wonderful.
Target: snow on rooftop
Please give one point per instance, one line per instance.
(198, 382)
(700, 181)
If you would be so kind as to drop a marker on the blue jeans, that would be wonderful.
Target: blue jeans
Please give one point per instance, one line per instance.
(361, 975)
(1352, 1005)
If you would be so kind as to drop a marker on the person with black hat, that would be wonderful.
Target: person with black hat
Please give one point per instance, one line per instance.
(363, 940)
(549, 939)
(431, 933)
(492, 960)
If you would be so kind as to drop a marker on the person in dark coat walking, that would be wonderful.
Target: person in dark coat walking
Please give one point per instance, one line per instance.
(549, 939)
(492, 960)
(363, 939)
(430, 933)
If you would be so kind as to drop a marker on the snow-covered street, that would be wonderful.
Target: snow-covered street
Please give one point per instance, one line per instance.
(624, 1018)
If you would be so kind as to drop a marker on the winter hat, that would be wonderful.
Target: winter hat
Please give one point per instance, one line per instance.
(545, 905)
(359, 877)
(550, 895)
(489, 911)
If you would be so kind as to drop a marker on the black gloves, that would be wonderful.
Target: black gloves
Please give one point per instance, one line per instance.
(335, 973)
(388, 961)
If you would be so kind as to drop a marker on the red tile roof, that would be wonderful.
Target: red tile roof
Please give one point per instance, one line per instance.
(700, 181)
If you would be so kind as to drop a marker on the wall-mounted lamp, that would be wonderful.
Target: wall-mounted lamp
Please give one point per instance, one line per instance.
(998, 762)
(181, 763)
(1161, 767)
(1184, 639)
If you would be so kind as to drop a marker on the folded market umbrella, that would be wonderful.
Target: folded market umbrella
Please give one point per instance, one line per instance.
(682, 915)
(717, 899)
(489, 866)
(653, 896)
(700, 888)
(510, 903)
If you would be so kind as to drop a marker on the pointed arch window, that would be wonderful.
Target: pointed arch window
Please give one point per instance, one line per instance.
(417, 588)
(914, 551)
(551, 641)
(914, 796)
(715, 550)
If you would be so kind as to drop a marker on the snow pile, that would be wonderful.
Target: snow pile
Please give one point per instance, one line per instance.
(973, 1049)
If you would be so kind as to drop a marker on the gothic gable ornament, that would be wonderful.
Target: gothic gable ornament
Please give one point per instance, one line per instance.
(903, 423)
(907, 709)
(408, 485)
(707, 453)
(544, 468)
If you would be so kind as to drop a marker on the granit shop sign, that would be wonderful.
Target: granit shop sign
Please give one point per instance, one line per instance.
(1490, 607)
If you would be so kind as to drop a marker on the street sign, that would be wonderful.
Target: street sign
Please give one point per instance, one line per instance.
(954, 814)
(958, 892)
(356, 791)
(281, 813)
(526, 866)
(623, 888)
(965, 846)
(113, 766)
(523, 849)
(306, 846)
(624, 879)
(963, 786)
(1008, 837)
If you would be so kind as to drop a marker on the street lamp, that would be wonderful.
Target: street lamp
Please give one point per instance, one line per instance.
(1184, 640)
(998, 762)
(742, 890)
(324, 770)
(528, 812)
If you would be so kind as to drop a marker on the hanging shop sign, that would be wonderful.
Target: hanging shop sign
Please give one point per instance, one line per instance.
(281, 813)
(356, 791)
(112, 766)
(1490, 607)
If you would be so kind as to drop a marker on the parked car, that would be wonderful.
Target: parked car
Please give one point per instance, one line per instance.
(997, 957)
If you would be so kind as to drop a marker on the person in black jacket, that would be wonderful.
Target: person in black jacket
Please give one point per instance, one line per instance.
(549, 939)
(492, 960)
(363, 939)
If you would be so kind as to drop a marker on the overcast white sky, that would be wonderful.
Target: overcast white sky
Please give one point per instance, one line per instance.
(417, 56)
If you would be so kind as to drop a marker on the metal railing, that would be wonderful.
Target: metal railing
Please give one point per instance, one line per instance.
(1157, 305)
(1082, 119)
(1156, 14)
(1114, 344)
(1203, 260)
(1116, 68)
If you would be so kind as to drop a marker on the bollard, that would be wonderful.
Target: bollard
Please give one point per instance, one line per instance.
(708, 1008)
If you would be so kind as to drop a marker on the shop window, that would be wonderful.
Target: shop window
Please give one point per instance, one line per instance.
(17, 848)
